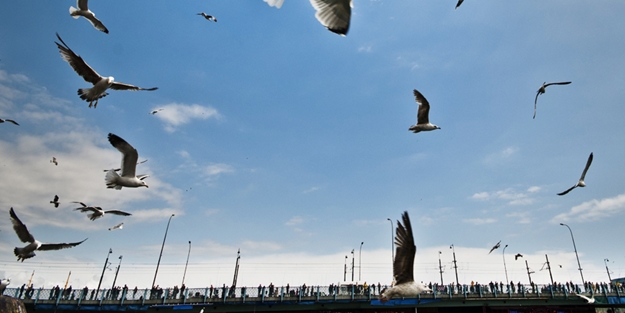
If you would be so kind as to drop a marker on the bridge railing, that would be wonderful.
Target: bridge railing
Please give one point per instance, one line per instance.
(299, 293)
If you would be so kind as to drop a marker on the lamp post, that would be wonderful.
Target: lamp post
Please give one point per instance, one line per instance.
(103, 269)
(576, 256)
(160, 255)
(360, 260)
(352, 265)
(345, 270)
(607, 270)
(504, 263)
(185, 266)
(392, 242)
(117, 271)
(440, 267)
(455, 264)
(529, 273)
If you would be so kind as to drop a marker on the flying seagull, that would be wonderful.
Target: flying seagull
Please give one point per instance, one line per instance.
(97, 212)
(100, 84)
(590, 300)
(156, 111)
(423, 121)
(335, 15)
(580, 182)
(541, 90)
(518, 255)
(403, 265)
(83, 10)
(119, 168)
(55, 201)
(275, 3)
(118, 226)
(25, 236)
(3, 284)
(208, 17)
(459, 3)
(54, 161)
(495, 247)
(2, 120)
(129, 164)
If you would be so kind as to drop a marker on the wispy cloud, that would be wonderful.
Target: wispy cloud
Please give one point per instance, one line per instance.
(593, 210)
(311, 189)
(176, 114)
(509, 195)
(501, 155)
(520, 217)
(479, 221)
(295, 220)
(365, 48)
(218, 168)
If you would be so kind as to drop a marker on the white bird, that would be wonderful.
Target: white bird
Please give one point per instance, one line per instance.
(118, 226)
(423, 119)
(580, 182)
(100, 84)
(129, 165)
(97, 212)
(275, 3)
(25, 236)
(83, 10)
(335, 15)
(3, 284)
(208, 17)
(2, 120)
(541, 90)
(403, 265)
(589, 300)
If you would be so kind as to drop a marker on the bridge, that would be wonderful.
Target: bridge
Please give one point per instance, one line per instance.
(346, 298)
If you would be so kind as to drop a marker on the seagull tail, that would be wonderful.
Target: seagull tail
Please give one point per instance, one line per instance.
(71, 12)
(111, 178)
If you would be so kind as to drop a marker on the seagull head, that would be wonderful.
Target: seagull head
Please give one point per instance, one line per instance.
(144, 184)
(110, 80)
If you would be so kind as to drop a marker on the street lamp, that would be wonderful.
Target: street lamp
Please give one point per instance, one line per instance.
(352, 265)
(185, 266)
(504, 263)
(117, 271)
(392, 242)
(345, 270)
(360, 259)
(440, 267)
(160, 255)
(607, 270)
(103, 269)
(455, 264)
(575, 248)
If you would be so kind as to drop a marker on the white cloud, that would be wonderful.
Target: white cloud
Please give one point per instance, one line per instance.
(218, 168)
(366, 48)
(175, 114)
(479, 221)
(502, 155)
(481, 196)
(533, 189)
(521, 217)
(311, 189)
(295, 220)
(509, 195)
(593, 210)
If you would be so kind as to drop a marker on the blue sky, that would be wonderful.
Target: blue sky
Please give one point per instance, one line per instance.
(291, 143)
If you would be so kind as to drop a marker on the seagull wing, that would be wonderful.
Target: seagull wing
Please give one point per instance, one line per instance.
(143, 176)
(333, 14)
(88, 209)
(567, 191)
(535, 100)
(20, 229)
(84, 205)
(59, 246)
(403, 266)
(82, 4)
(97, 23)
(130, 155)
(424, 108)
(117, 212)
(77, 63)
(275, 3)
(495, 247)
(459, 3)
(122, 86)
(558, 83)
(586, 168)
(56, 198)
(12, 121)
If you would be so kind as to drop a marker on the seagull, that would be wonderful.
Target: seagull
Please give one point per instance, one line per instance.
(423, 121)
(118, 226)
(459, 3)
(55, 201)
(580, 182)
(3, 284)
(97, 212)
(25, 236)
(590, 300)
(541, 90)
(129, 164)
(495, 247)
(83, 10)
(100, 84)
(208, 17)
(2, 120)
(119, 169)
(333, 14)
(518, 255)
(275, 3)
(156, 111)
(403, 265)
(54, 161)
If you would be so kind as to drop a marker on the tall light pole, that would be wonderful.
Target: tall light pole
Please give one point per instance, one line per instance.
(360, 260)
(575, 248)
(345, 270)
(504, 263)
(607, 270)
(392, 242)
(160, 255)
(117, 271)
(185, 265)
(352, 265)
(528, 272)
(440, 267)
(455, 264)
(103, 269)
